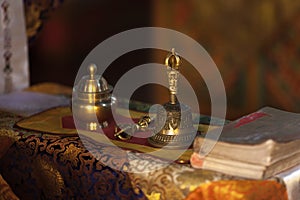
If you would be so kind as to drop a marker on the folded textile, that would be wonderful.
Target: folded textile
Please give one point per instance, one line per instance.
(5, 143)
(6, 192)
(28, 103)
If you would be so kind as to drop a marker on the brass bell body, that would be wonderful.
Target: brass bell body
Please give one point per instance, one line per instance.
(92, 101)
(177, 130)
(174, 118)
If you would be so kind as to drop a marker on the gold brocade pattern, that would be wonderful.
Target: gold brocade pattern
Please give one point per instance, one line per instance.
(7, 138)
(7, 120)
(48, 176)
(156, 181)
(173, 181)
(70, 155)
(61, 167)
(41, 166)
(8, 133)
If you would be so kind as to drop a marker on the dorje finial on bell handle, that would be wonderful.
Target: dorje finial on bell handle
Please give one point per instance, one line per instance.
(173, 60)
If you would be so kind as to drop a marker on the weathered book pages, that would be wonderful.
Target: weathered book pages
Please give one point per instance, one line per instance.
(257, 146)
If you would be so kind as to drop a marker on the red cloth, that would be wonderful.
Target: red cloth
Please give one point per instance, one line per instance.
(138, 137)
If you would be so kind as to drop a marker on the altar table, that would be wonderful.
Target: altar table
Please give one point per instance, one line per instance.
(41, 165)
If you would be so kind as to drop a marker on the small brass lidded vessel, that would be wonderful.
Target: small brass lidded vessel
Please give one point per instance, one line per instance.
(174, 118)
(92, 101)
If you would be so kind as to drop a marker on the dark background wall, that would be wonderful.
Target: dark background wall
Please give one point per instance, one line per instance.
(254, 44)
(74, 28)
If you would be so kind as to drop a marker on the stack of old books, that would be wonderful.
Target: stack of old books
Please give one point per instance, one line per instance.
(257, 146)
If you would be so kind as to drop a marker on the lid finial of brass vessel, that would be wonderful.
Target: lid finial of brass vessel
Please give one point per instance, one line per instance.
(92, 69)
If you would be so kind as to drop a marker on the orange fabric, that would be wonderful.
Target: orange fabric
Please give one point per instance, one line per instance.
(240, 190)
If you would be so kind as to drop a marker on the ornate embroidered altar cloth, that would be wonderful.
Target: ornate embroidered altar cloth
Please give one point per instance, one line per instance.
(42, 165)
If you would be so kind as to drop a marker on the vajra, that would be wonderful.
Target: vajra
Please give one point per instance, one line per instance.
(126, 131)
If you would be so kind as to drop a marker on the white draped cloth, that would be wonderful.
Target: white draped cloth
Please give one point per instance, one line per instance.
(14, 69)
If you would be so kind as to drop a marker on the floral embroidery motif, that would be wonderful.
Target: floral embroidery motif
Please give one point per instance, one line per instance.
(70, 155)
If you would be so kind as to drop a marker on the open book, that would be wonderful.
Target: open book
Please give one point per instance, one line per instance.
(256, 146)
